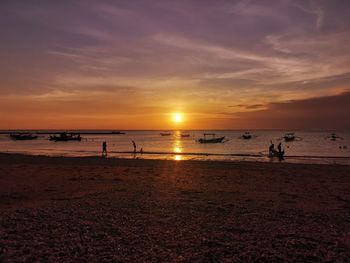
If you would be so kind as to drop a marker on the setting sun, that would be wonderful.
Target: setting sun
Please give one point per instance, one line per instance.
(177, 117)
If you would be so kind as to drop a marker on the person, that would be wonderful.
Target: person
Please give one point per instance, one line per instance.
(141, 150)
(134, 144)
(271, 148)
(280, 152)
(279, 147)
(104, 148)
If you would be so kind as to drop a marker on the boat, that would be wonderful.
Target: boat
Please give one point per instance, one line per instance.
(206, 134)
(23, 136)
(246, 136)
(117, 132)
(334, 137)
(289, 137)
(211, 140)
(64, 136)
(184, 135)
(165, 133)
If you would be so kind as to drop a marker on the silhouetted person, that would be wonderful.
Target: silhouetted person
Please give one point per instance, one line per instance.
(279, 147)
(104, 148)
(134, 144)
(272, 147)
(141, 151)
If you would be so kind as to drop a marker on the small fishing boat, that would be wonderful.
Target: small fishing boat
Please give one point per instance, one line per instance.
(289, 137)
(207, 134)
(18, 136)
(184, 135)
(333, 137)
(165, 133)
(213, 139)
(246, 136)
(117, 132)
(64, 137)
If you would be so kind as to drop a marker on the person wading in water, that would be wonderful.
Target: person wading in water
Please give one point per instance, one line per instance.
(134, 144)
(104, 149)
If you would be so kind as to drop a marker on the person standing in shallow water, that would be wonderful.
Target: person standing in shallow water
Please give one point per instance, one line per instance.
(134, 144)
(280, 152)
(104, 149)
(272, 147)
(279, 147)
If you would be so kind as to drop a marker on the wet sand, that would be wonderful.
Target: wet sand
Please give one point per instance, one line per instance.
(56, 209)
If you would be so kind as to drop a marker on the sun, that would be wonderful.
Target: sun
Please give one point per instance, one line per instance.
(177, 117)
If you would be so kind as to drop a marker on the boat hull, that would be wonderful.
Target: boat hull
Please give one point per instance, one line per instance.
(23, 138)
(213, 140)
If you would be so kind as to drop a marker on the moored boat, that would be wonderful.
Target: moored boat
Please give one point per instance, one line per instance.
(117, 132)
(212, 139)
(63, 137)
(165, 133)
(333, 137)
(246, 136)
(23, 136)
(289, 137)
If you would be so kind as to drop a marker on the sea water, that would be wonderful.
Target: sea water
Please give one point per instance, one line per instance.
(309, 146)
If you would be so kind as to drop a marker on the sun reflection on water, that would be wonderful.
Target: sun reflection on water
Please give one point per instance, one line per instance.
(177, 147)
(178, 157)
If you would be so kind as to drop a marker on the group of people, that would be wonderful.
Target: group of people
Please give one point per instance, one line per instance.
(104, 148)
(279, 152)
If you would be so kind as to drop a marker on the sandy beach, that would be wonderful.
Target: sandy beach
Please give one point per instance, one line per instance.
(56, 209)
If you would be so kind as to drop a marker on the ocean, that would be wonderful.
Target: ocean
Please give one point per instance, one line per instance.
(309, 146)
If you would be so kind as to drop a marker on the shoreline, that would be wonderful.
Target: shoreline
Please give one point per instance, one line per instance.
(95, 209)
(294, 159)
(118, 158)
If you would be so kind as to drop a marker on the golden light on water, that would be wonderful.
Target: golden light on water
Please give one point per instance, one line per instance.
(177, 148)
(177, 145)
(178, 157)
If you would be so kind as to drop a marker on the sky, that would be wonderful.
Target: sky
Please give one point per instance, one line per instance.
(223, 64)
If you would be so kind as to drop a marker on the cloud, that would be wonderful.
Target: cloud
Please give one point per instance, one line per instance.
(330, 112)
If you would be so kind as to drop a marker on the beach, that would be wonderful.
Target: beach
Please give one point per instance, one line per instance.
(92, 209)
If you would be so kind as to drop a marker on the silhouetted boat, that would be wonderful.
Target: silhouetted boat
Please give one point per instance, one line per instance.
(289, 137)
(165, 133)
(333, 137)
(184, 135)
(23, 136)
(246, 136)
(117, 132)
(63, 137)
(211, 140)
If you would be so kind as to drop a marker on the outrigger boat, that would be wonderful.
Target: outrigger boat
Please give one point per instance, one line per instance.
(18, 136)
(246, 136)
(165, 133)
(334, 137)
(117, 132)
(211, 140)
(63, 137)
(184, 135)
(289, 137)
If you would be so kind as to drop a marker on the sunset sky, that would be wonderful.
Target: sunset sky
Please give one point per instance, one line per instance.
(220, 64)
